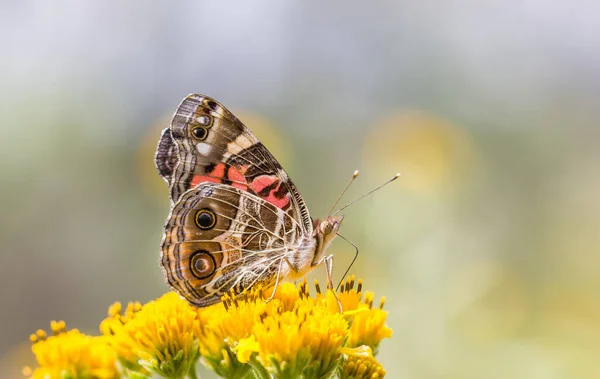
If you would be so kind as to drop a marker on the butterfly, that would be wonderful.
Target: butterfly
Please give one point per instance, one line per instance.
(237, 220)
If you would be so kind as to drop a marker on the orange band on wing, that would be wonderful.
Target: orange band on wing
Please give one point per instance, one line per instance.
(264, 181)
(222, 173)
(268, 187)
(237, 179)
(279, 202)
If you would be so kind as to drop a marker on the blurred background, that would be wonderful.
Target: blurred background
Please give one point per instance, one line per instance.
(487, 247)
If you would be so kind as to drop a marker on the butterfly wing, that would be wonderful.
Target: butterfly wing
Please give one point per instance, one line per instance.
(207, 143)
(219, 237)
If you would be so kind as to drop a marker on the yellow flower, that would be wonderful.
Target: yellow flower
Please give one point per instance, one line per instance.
(245, 348)
(292, 335)
(307, 337)
(71, 354)
(160, 336)
(113, 324)
(360, 363)
(368, 328)
(367, 323)
(217, 331)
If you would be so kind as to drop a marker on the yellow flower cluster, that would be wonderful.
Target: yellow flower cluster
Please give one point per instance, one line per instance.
(71, 354)
(158, 337)
(292, 335)
(289, 336)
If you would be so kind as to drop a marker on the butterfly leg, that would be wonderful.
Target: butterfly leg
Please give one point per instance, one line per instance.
(328, 261)
(291, 265)
(277, 279)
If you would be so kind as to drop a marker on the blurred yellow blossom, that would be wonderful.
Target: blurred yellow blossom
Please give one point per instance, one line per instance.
(431, 151)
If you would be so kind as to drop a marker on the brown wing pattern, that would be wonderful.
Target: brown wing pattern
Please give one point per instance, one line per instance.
(219, 238)
(212, 145)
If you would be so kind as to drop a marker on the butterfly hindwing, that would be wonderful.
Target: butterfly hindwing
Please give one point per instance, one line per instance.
(207, 143)
(219, 237)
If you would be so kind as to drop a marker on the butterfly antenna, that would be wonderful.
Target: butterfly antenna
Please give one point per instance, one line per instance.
(344, 191)
(351, 263)
(367, 194)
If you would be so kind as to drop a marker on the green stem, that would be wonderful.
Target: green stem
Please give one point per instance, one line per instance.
(258, 370)
(192, 372)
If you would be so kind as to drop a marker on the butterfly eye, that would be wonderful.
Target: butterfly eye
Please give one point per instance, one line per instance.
(202, 264)
(326, 227)
(205, 219)
(200, 133)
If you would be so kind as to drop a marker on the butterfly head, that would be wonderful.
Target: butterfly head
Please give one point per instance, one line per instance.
(330, 225)
(325, 231)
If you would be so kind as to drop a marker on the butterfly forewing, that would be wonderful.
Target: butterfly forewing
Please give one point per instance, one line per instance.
(219, 238)
(212, 145)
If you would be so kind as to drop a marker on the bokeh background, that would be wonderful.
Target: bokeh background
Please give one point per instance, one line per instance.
(487, 248)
